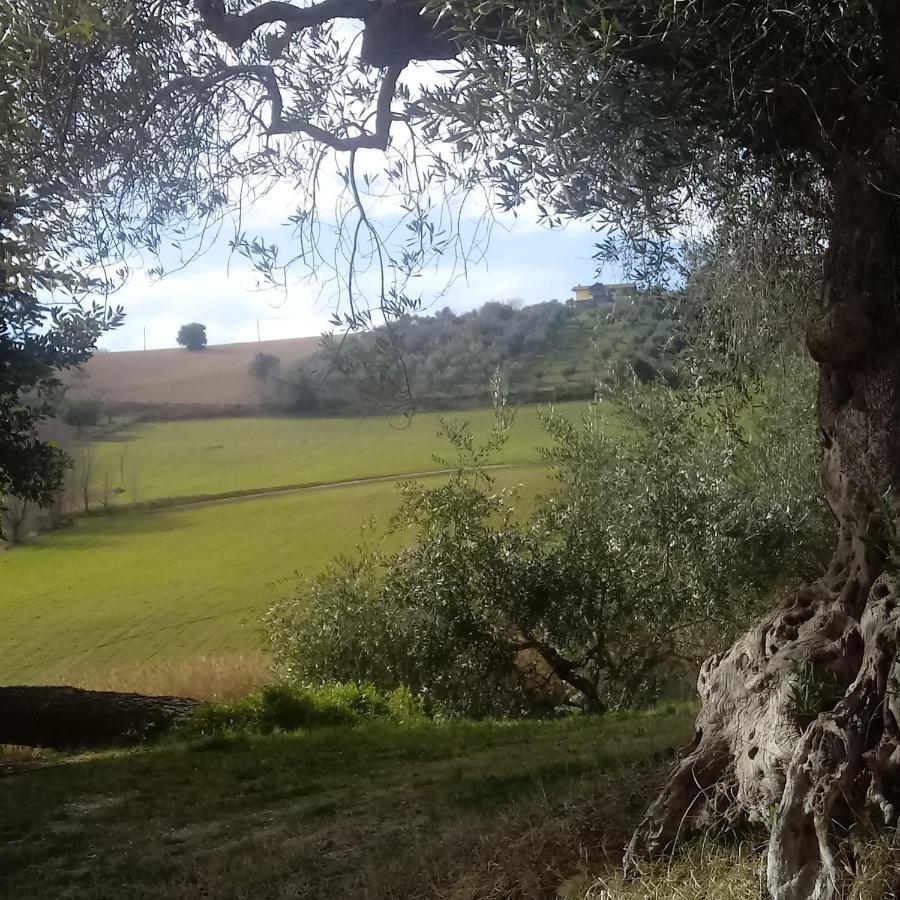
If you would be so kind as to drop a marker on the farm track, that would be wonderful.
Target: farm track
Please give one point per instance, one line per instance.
(323, 486)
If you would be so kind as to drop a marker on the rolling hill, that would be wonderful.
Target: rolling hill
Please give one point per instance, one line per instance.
(218, 375)
(548, 352)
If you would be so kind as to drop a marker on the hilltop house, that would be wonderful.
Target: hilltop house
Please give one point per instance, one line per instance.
(599, 294)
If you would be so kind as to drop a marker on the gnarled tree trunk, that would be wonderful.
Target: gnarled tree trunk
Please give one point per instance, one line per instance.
(800, 722)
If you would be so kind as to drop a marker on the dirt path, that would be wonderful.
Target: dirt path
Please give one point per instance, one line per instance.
(324, 486)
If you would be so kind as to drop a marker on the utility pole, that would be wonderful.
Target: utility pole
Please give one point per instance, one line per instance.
(258, 336)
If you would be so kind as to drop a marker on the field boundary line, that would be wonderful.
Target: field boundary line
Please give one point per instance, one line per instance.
(219, 500)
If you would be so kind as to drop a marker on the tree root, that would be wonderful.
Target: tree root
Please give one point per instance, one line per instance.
(799, 732)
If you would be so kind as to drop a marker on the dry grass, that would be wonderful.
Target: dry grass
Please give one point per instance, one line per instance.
(216, 375)
(878, 870)
(13, 755)
(226, 677)
(703, 871)
(714, 871)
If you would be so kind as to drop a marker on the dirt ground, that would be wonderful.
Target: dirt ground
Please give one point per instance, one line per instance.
(216, 375)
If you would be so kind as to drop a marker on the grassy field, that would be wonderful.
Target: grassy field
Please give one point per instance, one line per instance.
(144, 587)
(196, 458)
(450, 810)
(138, 588)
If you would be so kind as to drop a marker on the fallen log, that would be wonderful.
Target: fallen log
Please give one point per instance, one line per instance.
(64, 718)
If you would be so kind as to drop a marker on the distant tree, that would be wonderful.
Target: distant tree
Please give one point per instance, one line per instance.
(81, 412)
(264, 366)
(14, 518)
(108, 490)
(85, 471)
(192, 336)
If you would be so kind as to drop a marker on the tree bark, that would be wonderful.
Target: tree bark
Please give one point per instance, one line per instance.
(799, 729)
(64, 718)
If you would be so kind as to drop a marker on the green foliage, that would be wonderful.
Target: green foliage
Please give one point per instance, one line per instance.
(659, 540)
(37, 341)
(81, 412)
(813, 689)
(648, 134)
(192, 336)
(548, 352)
(283, 707)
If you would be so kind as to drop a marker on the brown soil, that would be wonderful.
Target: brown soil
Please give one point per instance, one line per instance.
(216, 375)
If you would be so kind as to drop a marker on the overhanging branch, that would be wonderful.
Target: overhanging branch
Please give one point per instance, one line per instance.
(236, 30)
(265, 75)
(377, 140)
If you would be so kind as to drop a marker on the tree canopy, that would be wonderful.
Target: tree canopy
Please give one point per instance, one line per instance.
(192, 336)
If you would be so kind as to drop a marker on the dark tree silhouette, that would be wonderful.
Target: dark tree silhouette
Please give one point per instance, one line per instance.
(192, 336)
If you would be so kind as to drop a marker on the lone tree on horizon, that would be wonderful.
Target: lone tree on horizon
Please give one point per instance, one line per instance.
(775, 127)
(192, 336)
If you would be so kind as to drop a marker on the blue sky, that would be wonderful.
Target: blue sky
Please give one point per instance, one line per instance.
(220, 289)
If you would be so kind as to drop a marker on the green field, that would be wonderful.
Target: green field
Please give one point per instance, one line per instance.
(130, 589)
(149, 586)
(200, 458)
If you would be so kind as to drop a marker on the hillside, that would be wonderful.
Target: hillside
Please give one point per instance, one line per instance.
(218, 375)
(167, 582)
(548, 352)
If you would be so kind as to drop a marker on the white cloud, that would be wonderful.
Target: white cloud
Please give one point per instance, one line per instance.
(222, 291)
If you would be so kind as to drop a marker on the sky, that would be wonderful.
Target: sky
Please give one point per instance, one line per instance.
(523, 261)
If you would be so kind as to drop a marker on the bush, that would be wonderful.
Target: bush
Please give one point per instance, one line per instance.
(81, 412)
(265, 366)
(192, 336)
(283, 707)
(659, 541)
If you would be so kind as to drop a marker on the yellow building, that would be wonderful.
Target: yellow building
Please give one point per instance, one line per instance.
(601, 294)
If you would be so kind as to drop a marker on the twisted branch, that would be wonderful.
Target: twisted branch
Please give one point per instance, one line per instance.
(236, 30)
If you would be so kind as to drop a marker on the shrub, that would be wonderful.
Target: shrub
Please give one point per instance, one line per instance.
(660, 539)
(265, 366)
(81, 412)
(192, 336)
(284, 707)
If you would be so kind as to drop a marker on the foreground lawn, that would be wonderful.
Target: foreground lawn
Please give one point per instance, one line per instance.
(451, 810)
(136, 588)
(181, 459)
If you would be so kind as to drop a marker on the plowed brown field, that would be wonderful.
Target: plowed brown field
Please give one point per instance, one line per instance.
(216, 375)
